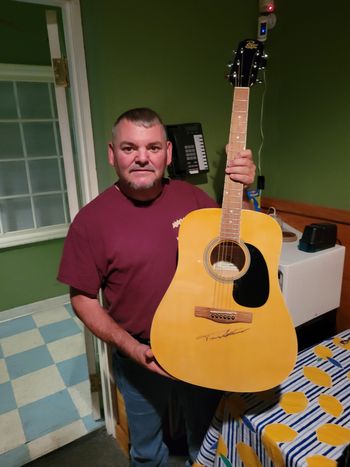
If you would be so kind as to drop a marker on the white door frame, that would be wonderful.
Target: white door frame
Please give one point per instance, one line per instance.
(80, 93)
(85, 149)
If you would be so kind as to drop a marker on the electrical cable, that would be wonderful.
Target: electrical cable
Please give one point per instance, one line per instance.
(261, 123)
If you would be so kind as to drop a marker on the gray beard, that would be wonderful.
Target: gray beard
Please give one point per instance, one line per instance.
(136, 187)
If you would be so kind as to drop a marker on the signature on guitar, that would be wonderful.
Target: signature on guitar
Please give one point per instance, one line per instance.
(226, 333)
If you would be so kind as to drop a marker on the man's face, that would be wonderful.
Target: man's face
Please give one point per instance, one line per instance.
(139, 156)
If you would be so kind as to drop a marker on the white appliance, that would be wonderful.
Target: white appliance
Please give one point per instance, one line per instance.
(310, 282)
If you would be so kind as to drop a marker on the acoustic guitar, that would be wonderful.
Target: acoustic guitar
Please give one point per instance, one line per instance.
(223, 322)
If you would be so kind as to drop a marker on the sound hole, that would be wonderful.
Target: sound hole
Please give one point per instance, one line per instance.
(227, 260)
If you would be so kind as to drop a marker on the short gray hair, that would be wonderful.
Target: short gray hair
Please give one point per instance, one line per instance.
(142, 116)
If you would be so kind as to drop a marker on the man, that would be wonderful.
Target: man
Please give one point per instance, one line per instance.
(125, 243)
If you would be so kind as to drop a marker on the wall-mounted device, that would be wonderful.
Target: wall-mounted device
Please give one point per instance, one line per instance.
(189, 154)
(267, 18)
(262, 28)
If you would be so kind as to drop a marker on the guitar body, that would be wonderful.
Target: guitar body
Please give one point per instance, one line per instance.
(251, 343)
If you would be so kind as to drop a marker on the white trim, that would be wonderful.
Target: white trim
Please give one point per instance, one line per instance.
(31, 308)
(108, 387)
(23, 237)
(15, 72)
(63, 118)
(80, 93)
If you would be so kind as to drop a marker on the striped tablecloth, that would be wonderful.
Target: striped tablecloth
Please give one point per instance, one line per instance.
(303, 422)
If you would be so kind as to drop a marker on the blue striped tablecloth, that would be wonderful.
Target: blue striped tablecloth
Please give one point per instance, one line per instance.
(303, 422)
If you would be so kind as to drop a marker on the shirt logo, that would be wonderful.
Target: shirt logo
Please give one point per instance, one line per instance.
(177, 223)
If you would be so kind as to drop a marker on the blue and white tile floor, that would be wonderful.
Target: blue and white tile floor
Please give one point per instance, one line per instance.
(44, 388)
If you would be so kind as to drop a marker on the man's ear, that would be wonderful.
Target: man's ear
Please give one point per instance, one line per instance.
(169, 150)
(111, 159)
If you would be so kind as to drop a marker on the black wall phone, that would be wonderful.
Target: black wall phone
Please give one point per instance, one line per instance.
(189, 154)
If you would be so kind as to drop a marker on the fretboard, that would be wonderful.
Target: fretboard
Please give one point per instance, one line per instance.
(233, 191)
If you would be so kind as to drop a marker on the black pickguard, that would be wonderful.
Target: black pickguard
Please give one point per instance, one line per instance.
(252, 289)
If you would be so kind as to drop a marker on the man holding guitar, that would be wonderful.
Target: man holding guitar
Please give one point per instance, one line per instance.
(125, 243)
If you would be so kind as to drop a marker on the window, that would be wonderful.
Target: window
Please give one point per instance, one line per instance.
(33, 192)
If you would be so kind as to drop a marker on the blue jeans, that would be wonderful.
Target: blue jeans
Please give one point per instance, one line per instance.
(146, 397)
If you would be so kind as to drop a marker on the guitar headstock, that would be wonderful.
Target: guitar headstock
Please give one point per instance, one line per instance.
(248, 60)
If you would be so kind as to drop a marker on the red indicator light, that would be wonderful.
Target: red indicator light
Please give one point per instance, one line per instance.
(266, 6)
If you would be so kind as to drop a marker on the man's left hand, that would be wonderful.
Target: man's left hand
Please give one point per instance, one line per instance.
(242, 168)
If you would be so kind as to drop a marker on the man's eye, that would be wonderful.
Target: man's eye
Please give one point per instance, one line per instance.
(155, 148)
(127, 149)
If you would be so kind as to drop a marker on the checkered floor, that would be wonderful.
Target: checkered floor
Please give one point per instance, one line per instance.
(44, 389)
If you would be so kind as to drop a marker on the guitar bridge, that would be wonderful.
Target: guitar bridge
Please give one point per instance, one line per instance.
(223, 316)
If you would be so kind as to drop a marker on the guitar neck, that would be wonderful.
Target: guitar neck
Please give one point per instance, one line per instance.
(233, 191)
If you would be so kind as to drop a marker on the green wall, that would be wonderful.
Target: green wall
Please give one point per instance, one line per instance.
(28, 273)
(307, 118)
(23, 30)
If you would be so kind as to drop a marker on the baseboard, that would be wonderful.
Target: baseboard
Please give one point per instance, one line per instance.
(30, 308)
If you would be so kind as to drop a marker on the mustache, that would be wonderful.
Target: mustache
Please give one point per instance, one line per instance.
(138, 168)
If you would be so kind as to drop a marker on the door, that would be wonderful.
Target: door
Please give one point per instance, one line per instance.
(73, 40)
(79, 172)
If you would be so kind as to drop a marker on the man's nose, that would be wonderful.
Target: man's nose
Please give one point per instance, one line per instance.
(142, 156)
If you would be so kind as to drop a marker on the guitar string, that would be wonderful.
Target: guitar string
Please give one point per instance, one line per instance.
(225, 251)
(222, 249)
(229, 248)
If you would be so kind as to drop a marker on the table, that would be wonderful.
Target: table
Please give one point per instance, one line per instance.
(303, 422)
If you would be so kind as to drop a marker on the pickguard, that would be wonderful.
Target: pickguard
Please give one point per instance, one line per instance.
(253, 288)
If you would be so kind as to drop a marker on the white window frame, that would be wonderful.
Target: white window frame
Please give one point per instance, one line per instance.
(82, 117)
(37, 74)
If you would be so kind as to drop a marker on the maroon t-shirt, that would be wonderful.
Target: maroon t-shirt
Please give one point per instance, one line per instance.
(129, 250)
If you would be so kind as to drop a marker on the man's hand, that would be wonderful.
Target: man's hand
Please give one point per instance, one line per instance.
(242, 168)
(143, 355)
(91, 313)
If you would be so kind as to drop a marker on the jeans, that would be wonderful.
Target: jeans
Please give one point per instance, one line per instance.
(146, 397)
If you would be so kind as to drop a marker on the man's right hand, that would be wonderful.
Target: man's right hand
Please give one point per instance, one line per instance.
(144, 356)
(91, 313)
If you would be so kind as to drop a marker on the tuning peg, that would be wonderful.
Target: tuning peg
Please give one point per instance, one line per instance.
(229, 65)
(263, 60)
